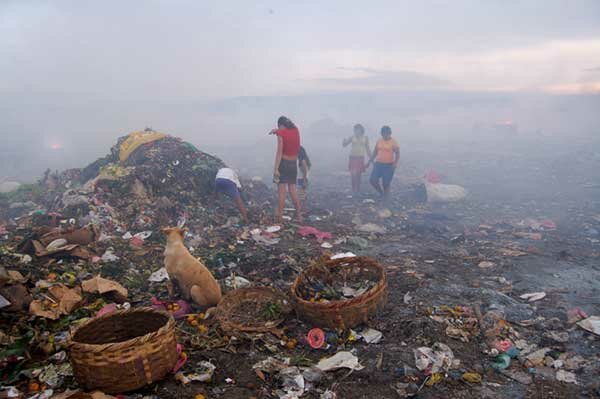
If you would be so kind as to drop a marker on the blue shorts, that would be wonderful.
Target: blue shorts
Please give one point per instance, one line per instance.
(383, 171)
(227, 187)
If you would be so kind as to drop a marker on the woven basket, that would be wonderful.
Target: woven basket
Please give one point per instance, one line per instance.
(124, 350)
(347, 313)
(250, 301)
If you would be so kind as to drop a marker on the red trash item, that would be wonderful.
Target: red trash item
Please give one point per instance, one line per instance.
(182, 359)
(432, 177)
(111, 307)
(548, 224)
(319, 235)
(316, 338)
(136, 242)
(503, 346)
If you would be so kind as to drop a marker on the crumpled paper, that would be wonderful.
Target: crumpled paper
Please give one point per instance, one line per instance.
(99, 285)
(65, 301)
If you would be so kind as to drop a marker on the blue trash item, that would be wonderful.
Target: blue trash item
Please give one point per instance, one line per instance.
(501, 362)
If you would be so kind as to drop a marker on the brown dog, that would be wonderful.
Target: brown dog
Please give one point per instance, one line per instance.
(194, 280)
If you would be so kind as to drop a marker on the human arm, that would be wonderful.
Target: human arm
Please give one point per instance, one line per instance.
(278, 156)
(373, 155)
(367, 146)
(396, 156)
(346, 142)
(304, 169)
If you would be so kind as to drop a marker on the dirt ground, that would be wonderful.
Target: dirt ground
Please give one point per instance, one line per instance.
(432, 253)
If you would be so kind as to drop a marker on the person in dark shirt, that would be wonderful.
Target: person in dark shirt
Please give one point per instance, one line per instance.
(304, 164)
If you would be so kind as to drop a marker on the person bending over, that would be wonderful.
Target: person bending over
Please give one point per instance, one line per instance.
(227, 182)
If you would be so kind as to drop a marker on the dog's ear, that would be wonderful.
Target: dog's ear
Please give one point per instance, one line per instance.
(166, 230)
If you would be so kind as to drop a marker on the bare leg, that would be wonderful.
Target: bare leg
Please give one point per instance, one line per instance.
(358, 175)
(296, 201)
(280, 201)
(242, 208)
(376, 185)
(386, 191)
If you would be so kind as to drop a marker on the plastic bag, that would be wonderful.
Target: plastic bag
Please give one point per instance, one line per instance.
(444, 192)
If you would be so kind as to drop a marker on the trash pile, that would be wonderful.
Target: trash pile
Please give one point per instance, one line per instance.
(481, 298)
(148, 180)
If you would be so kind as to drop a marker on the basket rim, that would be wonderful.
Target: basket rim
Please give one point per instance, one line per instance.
(142, 339)
(223, 312)
(339, 303)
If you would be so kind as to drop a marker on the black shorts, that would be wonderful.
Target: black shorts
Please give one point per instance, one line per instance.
(288, 172)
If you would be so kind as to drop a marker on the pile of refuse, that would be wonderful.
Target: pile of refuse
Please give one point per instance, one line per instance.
(148, 179)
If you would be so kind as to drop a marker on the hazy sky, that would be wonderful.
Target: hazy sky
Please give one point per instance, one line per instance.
(82, 50)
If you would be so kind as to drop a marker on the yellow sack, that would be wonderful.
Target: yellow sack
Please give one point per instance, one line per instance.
(136, 139)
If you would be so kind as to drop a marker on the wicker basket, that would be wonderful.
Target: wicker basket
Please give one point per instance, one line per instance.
(342, 313)
(254, 299)
(124, 350)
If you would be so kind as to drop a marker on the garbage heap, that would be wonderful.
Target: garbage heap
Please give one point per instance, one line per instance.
(149, 179)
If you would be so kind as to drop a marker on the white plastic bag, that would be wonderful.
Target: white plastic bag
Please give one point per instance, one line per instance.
(437, 192)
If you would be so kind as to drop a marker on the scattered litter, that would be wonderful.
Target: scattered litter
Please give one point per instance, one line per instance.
(326, 245)
(433, 360)
(384, 213)
(343, 255)
(144, 235)
(474, 378)
(341, 359)
(438, 192)
(235, 282)
(292, 382)
(316, 338)
(159, 276)
(591, 324)
(501, 362)
(566, 376)
(109, 256)
(306, 231)
(486, 264)
(273, 229)
(179, 309)
(371, 336)
(99, 285)
(203, 373)
(533, 296)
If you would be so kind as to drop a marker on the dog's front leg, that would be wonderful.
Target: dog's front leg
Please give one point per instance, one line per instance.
(170, 288)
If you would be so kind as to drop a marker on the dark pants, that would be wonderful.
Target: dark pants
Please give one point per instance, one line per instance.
(383, 171)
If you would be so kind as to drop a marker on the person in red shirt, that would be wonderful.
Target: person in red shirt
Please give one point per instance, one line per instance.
(285, 171)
